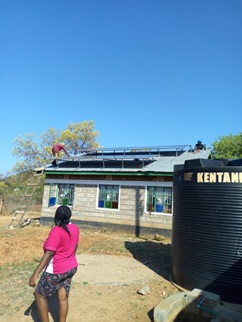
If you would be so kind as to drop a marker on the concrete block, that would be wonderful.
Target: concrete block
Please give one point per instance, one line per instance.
(167, 310)
(197, 305)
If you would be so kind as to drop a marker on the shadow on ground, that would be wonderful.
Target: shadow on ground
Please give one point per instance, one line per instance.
(153, 254)
(53, 309)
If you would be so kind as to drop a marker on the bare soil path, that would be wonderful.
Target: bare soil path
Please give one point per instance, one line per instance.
(112, 269)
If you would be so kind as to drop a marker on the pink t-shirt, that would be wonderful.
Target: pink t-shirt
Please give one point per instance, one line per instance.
(64, 245)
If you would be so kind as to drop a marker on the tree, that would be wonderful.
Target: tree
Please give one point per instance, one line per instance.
(48, 139)
(229, 147)
(28, 151)
(80, 136)
(35, 152)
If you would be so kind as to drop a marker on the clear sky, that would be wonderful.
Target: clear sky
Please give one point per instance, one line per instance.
(147, 72)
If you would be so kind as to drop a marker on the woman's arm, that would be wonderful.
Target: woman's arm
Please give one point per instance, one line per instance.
(43, 263)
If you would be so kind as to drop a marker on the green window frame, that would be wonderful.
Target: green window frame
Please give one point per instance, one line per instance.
(61, 194)
(159, 199)
(108, 196)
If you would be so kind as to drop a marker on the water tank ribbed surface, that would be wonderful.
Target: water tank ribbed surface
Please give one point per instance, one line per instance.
(207, 229)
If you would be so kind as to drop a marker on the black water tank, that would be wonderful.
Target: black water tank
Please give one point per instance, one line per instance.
(207, 227)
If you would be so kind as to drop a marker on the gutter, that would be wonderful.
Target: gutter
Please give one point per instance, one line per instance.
(141, 174)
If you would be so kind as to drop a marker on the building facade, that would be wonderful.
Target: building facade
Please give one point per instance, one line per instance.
(127, 189)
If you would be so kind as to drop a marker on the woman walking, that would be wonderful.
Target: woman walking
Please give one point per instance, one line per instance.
(59, 264)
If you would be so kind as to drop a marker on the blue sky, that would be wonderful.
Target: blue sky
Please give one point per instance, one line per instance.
(147, 72)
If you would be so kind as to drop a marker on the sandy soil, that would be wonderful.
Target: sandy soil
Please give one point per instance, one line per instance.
(107, 284)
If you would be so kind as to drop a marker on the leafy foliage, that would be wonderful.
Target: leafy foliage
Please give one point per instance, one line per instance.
(28, 151)
(36, 152)
(12, 189)
(229, 147)
(80, 136)
(47, 140)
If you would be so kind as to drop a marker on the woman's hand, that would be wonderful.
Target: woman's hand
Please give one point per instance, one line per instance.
(33, 280)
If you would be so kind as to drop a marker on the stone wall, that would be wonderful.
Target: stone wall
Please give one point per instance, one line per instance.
(131, 214)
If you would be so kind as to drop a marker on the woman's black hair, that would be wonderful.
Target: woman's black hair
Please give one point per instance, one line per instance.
(62, 217)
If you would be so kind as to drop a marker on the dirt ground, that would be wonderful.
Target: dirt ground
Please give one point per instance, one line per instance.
(113, 270)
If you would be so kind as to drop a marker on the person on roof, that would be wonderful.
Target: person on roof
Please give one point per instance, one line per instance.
(199, 146)
(56, 149)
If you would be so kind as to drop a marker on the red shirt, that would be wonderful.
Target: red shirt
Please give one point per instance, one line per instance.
(58, 147)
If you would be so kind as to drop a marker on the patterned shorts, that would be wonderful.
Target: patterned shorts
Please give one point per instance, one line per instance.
(51, 283)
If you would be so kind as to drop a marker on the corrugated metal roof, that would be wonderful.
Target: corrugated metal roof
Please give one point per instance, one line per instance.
(153, 164)
(166, 164)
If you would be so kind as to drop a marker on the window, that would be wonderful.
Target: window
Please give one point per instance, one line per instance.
(108, 196)
(159, 199)
(61, 194)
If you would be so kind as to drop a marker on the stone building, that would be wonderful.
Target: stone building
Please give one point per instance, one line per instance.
(117, 188)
